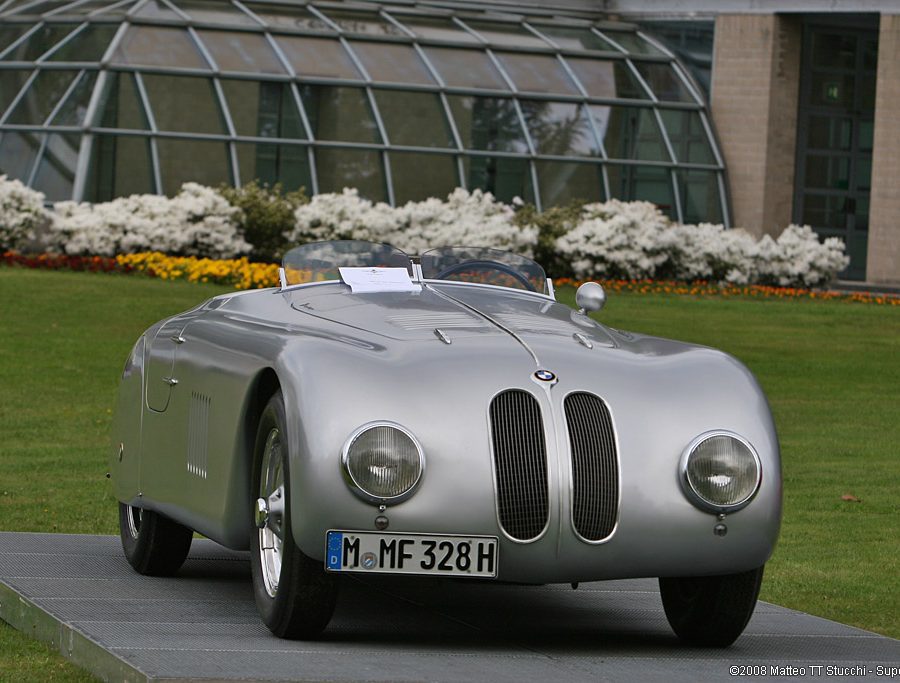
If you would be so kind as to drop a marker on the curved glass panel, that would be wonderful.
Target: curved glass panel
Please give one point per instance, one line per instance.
(11, 82)
(283, 16)
(10, 33)
(420, 176)
(362, 23)
(484, 266)
(504, 177)
(339, 113)
(688, 136)
(247, 52)
(18, 150)
(699, 194)
(537, 73)
(607, 79)
(398, 108)
(56, 170)
(274, 163)
(88, 46)
(321, 261)
(503, 33)
(392, 62)
(630, 133)
(121, 104)
(39, 42)
(42, 96)
(183, 103)
(337, 168)
(664, 82)
(559, 128)
(215, 11)
(158, 46)
(436, 28)
(574, 38)
(197, 161)
(465, 68)
(633, 43)
(643, 183)
(488, 123)
(318, 57)
(263, 109)
(72, 111)
(156, 9)
(120, 166)
(564, 182)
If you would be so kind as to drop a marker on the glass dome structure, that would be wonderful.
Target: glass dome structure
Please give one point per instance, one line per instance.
(403, 101)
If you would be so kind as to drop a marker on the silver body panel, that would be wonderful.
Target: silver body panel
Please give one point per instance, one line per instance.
(343, 360)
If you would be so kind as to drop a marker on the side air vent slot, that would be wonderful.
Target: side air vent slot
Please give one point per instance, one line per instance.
(520, 461)
(198, 435)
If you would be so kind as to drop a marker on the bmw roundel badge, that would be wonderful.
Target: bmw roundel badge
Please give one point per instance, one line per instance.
(545, 376)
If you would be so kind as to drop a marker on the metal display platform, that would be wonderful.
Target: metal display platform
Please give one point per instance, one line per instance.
(79, 593)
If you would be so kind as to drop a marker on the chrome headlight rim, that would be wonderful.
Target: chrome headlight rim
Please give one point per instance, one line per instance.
(688, 487)
(355, 486)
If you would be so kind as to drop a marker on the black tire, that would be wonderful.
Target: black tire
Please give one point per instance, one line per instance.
(300, 604)
(154, 545)
(710, 611)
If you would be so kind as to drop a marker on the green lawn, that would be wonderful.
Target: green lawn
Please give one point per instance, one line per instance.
(831, 371)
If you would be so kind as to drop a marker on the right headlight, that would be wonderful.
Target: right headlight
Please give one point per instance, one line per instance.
(720, 471)
(383, 462)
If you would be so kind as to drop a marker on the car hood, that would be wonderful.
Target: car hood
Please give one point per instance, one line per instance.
(451, 311)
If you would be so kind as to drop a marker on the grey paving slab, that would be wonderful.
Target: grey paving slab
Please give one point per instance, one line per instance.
(79, 593)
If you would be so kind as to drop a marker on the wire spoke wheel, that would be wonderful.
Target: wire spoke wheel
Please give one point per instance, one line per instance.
(271, 486)
(294, 594)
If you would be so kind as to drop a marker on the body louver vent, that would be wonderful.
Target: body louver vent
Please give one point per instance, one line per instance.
(595, 470)
(520, 459)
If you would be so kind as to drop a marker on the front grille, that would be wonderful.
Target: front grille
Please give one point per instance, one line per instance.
(595, 470)
(520, 460)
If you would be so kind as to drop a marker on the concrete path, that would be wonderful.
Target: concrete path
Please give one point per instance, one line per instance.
(79, 593)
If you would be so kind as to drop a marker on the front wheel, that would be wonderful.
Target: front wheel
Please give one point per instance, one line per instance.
(294, 595)
(710, 611)
(154, 545)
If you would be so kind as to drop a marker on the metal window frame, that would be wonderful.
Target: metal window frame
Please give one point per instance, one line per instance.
(392, 15)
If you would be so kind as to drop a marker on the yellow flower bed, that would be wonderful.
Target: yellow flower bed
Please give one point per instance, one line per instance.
(239, 273)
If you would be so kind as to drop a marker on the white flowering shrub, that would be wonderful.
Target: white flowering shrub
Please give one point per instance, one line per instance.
(798, 258)
(617, 239)
(198, 221)
(465, 218)
(22, 214)
(471, 219)
(634, 240)
(612, 239)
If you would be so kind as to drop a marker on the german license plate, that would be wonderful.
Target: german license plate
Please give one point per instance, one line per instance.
(364, 551)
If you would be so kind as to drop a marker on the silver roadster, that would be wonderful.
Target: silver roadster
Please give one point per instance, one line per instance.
(443, 415)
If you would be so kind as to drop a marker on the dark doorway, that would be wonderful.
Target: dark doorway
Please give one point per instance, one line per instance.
(834, 132)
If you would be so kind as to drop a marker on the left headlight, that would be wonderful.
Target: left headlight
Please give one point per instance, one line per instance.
(383, 462)
(720, 471)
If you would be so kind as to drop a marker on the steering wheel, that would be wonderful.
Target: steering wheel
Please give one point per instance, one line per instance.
(493, 265)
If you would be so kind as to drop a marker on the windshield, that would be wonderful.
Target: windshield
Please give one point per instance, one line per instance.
(320, 261)
(484, 266)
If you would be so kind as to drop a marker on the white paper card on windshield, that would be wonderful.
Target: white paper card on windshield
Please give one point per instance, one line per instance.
(362, 280)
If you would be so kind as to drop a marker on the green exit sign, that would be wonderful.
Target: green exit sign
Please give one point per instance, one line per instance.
(832, 91)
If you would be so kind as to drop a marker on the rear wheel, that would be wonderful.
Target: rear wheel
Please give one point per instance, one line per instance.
(710, 611)
(154, 545)
(294, 595)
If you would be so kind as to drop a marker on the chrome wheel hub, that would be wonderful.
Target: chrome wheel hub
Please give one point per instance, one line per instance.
(269, 511)
(134, 516)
